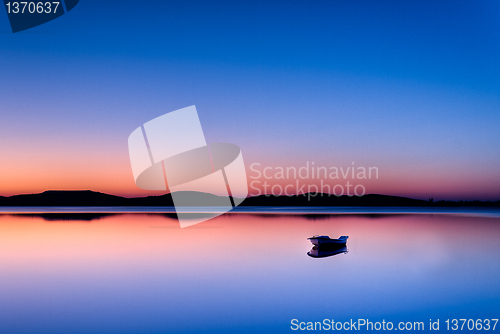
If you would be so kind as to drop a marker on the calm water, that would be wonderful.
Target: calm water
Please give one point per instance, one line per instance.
(242, 272)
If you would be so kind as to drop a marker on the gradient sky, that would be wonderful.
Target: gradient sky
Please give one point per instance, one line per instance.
(411, 87)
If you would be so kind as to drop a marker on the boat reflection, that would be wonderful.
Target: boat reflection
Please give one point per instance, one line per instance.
(327, 250)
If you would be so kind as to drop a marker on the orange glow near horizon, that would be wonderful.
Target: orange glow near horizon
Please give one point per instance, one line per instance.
(61, 168)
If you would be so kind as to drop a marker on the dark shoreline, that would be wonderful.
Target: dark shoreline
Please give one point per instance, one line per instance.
(96, 199)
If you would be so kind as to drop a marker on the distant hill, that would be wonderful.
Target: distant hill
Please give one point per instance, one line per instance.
(366, 200)
(92, 198)
(64, 198)
(330, 200)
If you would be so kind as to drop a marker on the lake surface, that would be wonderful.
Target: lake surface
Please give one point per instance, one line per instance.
(247, 272)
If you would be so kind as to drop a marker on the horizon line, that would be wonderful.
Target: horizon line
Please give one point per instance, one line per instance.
(319, 194)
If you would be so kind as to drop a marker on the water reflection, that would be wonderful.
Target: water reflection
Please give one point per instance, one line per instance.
(327, 250)
(85, 217)
(242, 273)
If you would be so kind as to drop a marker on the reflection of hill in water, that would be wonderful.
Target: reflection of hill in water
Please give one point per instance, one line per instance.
(316, 216)
(88, 217)
(320, 216)
(70, 217)
(170, 215)
(173, 215)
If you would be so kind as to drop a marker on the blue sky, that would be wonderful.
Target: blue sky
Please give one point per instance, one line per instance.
(412, 87)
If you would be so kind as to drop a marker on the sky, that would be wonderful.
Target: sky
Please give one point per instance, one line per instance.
(412, 88)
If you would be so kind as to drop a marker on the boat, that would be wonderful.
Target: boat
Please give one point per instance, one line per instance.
(323, 240)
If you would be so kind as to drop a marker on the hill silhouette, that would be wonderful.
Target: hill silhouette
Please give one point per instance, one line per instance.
(92, 198)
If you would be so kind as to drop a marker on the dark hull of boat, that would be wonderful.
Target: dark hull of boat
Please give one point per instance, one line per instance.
(320, 242)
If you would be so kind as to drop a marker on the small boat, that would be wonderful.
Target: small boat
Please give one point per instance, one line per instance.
(323, 240)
